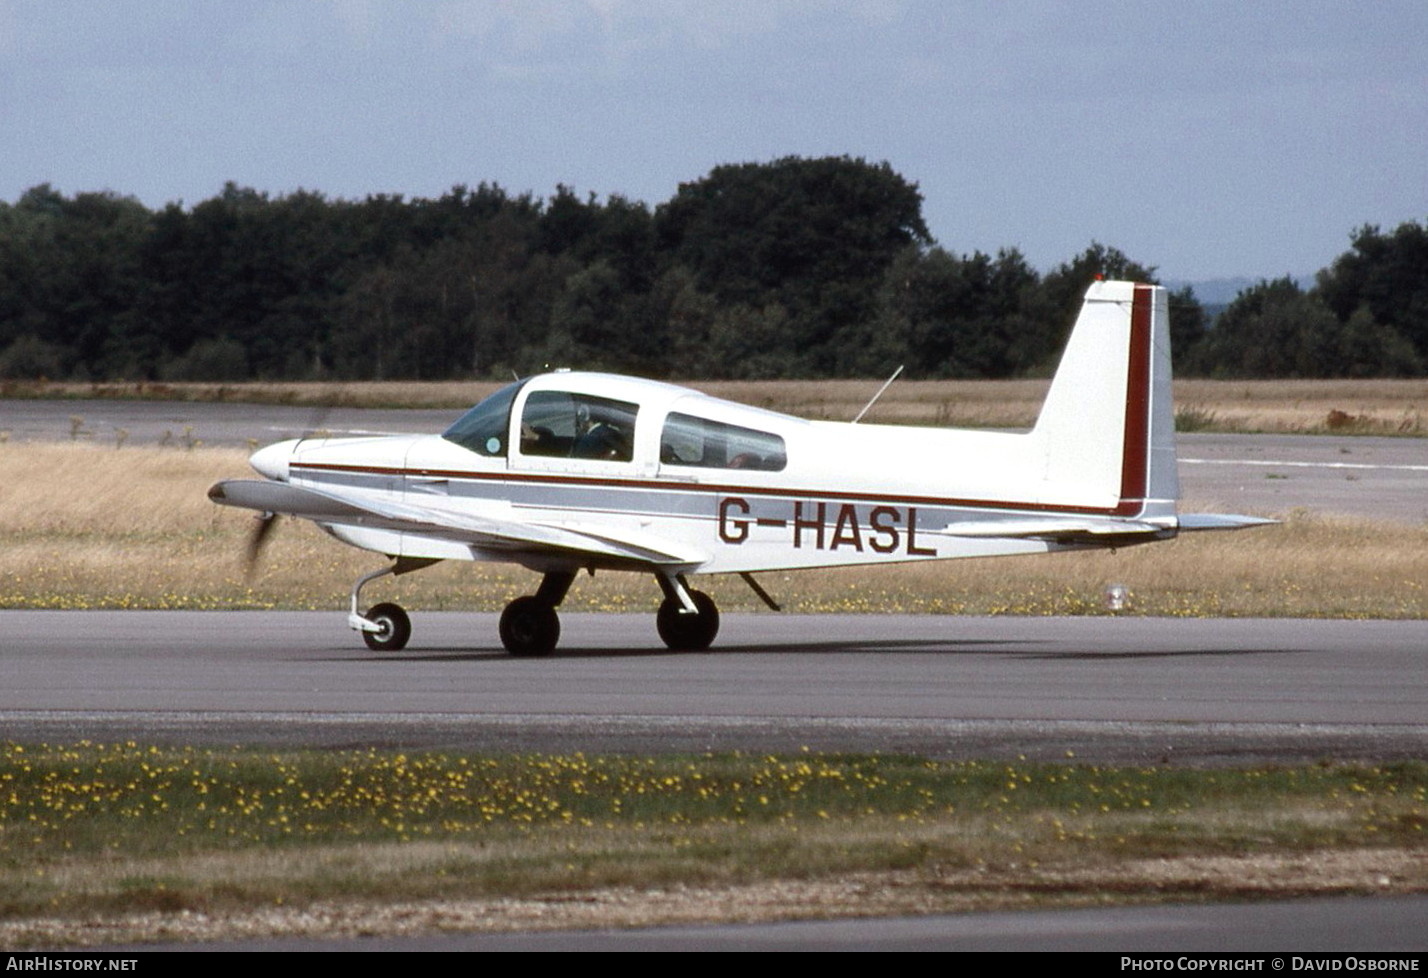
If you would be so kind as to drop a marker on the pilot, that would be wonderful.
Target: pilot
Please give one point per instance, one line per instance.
(601, 437)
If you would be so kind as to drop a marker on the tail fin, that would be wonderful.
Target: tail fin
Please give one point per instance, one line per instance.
(1107, 428)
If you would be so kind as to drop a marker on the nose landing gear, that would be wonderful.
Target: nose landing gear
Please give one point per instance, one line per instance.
(385, 627)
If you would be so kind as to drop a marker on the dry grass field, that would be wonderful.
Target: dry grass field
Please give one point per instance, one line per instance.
(1302, 406)
(86, 526)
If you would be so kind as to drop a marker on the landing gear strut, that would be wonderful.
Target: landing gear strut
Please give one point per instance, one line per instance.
(530, 626)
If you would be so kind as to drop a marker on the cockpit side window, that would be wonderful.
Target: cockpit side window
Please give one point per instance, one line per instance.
(688, 440)
(565, 425)
(484, 428)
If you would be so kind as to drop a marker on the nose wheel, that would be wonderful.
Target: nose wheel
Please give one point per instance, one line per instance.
(394, 628)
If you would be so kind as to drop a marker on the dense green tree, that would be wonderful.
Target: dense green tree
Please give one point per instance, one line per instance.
(1188, 323)
(798, 267)
(750, 228)
(1365, 347)
(31, 358)
(1386, 275)
(1277, 329)
(814, 236)
(945, 316)
(69, 273)
(1274, 329)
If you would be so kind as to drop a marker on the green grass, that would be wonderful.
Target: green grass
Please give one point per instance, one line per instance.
(91, 830)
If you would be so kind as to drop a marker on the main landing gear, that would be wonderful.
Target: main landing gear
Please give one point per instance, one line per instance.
(687, 621)
(529, 625)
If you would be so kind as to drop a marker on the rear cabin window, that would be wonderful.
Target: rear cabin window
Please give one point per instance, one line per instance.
(687, 440)
(563, 425)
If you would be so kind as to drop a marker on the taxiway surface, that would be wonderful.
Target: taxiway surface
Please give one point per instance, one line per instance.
(1134, 690)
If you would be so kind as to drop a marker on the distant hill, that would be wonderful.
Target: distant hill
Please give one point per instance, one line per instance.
(1220, 292)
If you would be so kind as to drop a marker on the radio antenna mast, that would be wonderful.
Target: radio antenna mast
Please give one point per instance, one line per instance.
(886, 385)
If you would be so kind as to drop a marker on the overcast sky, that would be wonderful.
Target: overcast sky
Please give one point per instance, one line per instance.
(1207, 138)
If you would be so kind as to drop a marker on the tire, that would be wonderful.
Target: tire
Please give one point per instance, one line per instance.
(530, 628)
(396, 628)
(684, 632)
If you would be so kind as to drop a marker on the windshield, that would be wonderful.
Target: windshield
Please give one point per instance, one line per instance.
(483, 429)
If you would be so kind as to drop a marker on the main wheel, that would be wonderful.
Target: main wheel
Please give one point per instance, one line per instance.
(529, 627)
(394, 628)
(685, 632)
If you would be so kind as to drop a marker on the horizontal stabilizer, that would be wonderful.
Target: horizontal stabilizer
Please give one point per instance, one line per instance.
(1220, 521)
(1066, 530)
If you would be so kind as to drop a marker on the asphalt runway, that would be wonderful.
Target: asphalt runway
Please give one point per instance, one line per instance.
(1094, 690)
(1112, 690)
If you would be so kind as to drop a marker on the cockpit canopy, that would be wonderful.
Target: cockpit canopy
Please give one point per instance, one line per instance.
(562, 417)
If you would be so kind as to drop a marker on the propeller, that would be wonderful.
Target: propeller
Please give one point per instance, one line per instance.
(258, 540)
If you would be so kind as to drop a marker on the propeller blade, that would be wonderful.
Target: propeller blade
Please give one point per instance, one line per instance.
(259, 539)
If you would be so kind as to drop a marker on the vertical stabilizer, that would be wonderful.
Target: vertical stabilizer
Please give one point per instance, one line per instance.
(1107, 429)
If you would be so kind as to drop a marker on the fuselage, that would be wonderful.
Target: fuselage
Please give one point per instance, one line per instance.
(740, 488)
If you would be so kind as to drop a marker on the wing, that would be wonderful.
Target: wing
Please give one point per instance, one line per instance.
(487, 533)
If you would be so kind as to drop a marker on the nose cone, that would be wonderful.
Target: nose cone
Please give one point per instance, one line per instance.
(272, 461)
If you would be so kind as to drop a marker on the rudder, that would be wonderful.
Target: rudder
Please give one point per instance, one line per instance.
(1107, 428)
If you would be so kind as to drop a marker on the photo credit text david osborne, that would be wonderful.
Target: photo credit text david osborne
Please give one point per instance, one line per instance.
(1272, 962)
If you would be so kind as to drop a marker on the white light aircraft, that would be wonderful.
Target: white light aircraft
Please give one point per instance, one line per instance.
(567, 471)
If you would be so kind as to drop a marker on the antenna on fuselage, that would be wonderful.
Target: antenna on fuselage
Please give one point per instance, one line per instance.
(886, 385)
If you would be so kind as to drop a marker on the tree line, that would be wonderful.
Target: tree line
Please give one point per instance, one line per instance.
(792, 268)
